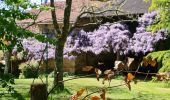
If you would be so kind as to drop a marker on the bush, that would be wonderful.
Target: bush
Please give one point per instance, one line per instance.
(29, 69)
(162, 58)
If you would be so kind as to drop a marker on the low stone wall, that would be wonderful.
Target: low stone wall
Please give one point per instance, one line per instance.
(68, 66)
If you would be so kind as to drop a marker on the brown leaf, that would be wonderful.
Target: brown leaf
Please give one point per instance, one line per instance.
(108, 75)
(129, 62)
(119, 65)
(98, 73)
(74, 97)
(127, 83)
(80, 92)
(107, 71)
(130, 77)
(103, 94)
(145, 62)
(94, 98)
(7, 42)
(153, 63)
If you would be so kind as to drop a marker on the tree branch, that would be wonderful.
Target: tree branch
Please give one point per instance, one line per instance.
(66, 21)
(100, 90)
(94, 14)
(54, 18)
(71, 79)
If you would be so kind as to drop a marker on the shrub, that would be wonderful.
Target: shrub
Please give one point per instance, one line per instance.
(29, 69)
(162, 58)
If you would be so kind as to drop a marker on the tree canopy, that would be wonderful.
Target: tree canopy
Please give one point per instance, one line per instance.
(116, 37)
(162, 6)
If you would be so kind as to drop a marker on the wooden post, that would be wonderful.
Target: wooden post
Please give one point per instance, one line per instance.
(38, 92)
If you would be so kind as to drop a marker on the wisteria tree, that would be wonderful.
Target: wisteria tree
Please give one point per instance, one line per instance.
(143, 40)
(35, 50)
(108, 37)
(115, 37)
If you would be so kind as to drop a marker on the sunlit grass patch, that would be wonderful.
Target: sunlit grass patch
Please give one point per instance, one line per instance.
(140, 91)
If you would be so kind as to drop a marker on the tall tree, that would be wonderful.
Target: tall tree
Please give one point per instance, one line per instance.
(61, 36)
(63, 33)
(163, 22)
(10, 32)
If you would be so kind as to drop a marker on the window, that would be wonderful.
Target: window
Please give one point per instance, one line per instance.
(50, 33)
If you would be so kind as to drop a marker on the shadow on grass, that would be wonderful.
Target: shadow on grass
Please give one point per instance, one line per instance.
(12, 96)
(64, 95)
(67, 91)
(18, 96)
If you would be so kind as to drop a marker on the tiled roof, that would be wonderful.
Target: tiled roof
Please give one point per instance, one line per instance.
(129, 7)
(45, 16)
(136, 6)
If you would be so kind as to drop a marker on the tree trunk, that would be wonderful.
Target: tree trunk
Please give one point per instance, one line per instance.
(58, 71)
(118, 56)
(7, 57)
(61, 35)
(38, 92)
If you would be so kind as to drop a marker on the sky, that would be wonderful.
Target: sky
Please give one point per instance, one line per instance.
(36, 1)
(33, 1)
(39, 1)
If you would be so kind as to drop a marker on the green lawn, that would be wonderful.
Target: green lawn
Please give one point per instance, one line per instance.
(140, 91)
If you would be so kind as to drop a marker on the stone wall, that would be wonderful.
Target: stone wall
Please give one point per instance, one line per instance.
(84, 60)
(68, 66)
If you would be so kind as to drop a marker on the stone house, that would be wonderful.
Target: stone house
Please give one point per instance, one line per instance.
(131, 8)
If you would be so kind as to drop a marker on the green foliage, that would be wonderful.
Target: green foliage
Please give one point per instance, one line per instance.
(43, 39)
(11, 33)
(29, 69)
(6, 82)
(163, 59)
(162, 6)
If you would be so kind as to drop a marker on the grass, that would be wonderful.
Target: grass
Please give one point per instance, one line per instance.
(140, 91)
